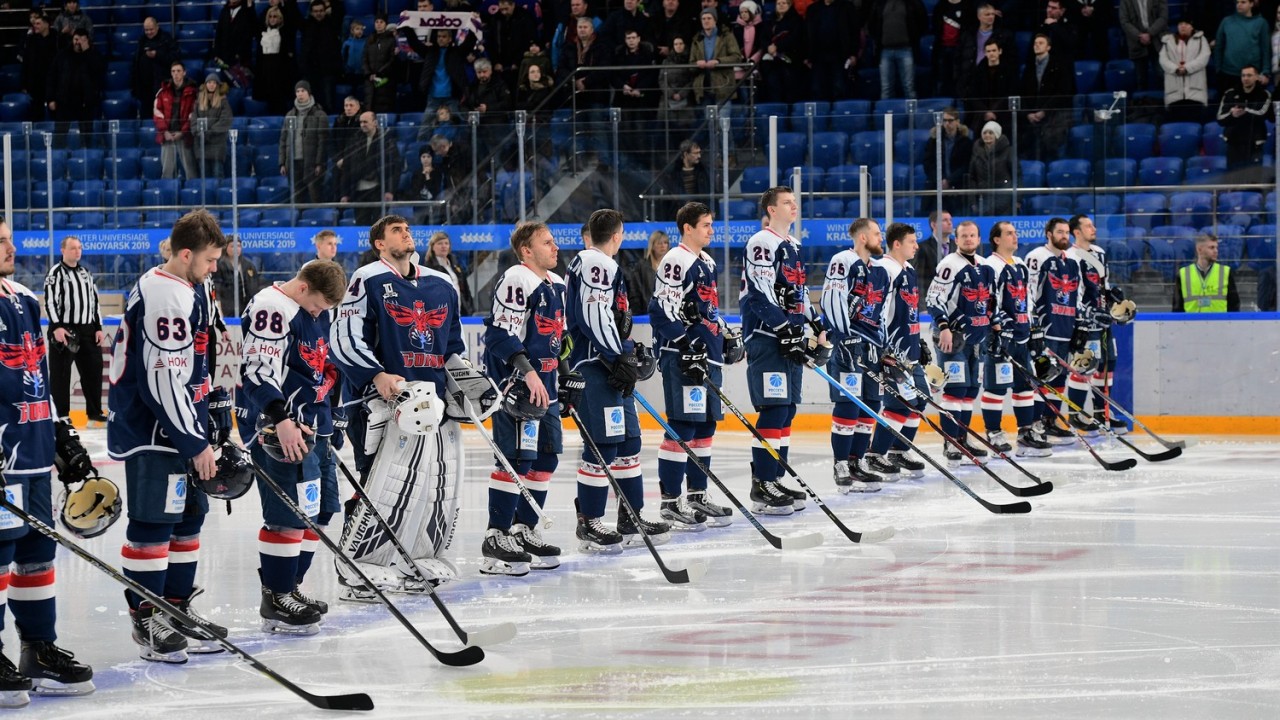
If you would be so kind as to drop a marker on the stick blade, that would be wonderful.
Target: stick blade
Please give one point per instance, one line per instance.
(802, 541)
(352, 702)
(1169, 454)
(1032, 491)
(876, 536)
(1018, 508)
(1121, 465)
(692, 573)
(466, 656)
(496, 635)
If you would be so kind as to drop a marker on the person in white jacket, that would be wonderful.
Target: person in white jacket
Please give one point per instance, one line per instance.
(1185, 58)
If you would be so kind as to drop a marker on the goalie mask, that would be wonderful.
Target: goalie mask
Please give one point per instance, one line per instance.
(420, 410)
(517, 403)
(91, 508)
(270, 441)
(233, 476)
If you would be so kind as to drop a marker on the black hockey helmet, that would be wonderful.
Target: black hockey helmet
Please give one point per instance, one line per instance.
(646, 363)
(734, 349)
(1047, 369)
(270, 442)
(517, 403)
(233, 476)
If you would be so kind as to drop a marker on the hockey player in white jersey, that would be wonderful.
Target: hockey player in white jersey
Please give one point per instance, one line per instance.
(399, 325)
(1099, 296)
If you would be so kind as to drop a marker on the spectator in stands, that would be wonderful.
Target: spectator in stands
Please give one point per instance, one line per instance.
(275, 69)
(213, 108)
(371, 169)
(1243, 114)
(991, 83)
(233, 35)
(74, 87)
(508, 34)
(1205, 286)
(426, 184)
(588, 52)
(441, 122)
(676, 85)
(1267, 288)
(567, 34)
(991, 169)
(353, 54)
(950, 19)
(620, 21)
(1242, 39)
(490, 98)
(973, 47)
(290, 15)
(156, 52)
(1047, 88)
(687, 176)
(69, 20)
(236, 279)
(39, 49)
(667, 25)
(1092, 18)
(957, 150)
(345, 128)
(782, 67)
(534, 89)
(377, 67)
(642, 275)
(711, 49)
(636, 88)
(442, 154)
(444, 69)
(896, 26)
(321, 56)
(1184, 57)
(933, 248)
(305, 143)
(1060, 30)
(753, 34)
(174, 103)
(831, 46)
(1144, 22)
(440, 258)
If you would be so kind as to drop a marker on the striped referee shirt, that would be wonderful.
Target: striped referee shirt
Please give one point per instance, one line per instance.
(71, 297)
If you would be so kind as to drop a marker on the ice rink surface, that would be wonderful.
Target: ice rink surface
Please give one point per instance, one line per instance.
(1152, 593)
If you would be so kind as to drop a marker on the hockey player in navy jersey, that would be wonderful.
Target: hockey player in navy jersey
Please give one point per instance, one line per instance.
(282, 405)
(611, 363)
(159, 427)
(1007, 345)
(523, 339)
(693, 344)
(902, 358)
(27, 440)
(852, 293)
(959, 302)
(399, 324)
(1098, 295)
(1054, 296)
(775, 312)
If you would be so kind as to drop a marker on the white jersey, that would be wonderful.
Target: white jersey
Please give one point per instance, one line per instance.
(596, 298)
(836, 287)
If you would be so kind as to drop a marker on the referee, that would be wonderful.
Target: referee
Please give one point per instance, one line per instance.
(75, 333)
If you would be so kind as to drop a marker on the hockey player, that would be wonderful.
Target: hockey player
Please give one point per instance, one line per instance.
(959, 302)
(1053, 294)
(775, 311)
(1098, 295)
(282, 406)
(399, 323)
(852, 294)
(522, 346)
(693, 345)
(159, 426)
(27, 440)
(1010, 329)
(901, 358)
(611, 363)
(326, 243)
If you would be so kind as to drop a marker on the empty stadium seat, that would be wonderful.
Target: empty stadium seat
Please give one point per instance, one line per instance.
(1205, 168)
(843, 179)
(1119, 75)
(851, 116)
(1230, 242)
(800, 116)
(1192, 209)
(1069, 173)
(1031, 173)
(1050, 204)
(1087, 72)
(1180, 139)
(1145, 209)
(755, 180)
(826, 208)
(1212, 140)
(1160, 171)
(742, 210)
(867, 148)
(791, 148)
(1099, 204)
(909, 146)
(1260, 246)
(1117, 172)
(318, 217)
(829, 149)
(1137, 139)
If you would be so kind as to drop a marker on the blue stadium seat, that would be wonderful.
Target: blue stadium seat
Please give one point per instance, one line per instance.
(1050, 204)
(1031, 173)
(150, 165)
(277, 217)
(851, 116)
(1087, 72)
(1240, 202)
(867, 148)
(316, 217)
(1230, 242)
(85, 195)
(1069, 173)
(755, 180)
(1205, 168)
(85, 221)
(897, 106)
(1137, 139)
(1192, 209)
(1145, 209)
(124, 219)
(927, 107)
(255, 108)
(1212, 140)
(826, 208)
(1260, 246)
(15, 110)
(190, 11)
(1180, 139)
(829, 149)
(1117, 172)
(161, 218)
(1160, 171)
(843, 179)
(1119, 75)
(812, 178)
(271, 194)
(43, 193)
(123, 198)
(791, 149)
(261, 135)
(909, 146)
(1120, 259)
(901, 177)
(800, 118)
(1099, 204)
(742, 210)
(40, 167)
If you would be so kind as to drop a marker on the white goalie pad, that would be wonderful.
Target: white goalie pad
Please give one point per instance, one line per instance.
(414, 485)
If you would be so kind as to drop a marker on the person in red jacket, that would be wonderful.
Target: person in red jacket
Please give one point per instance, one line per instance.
(172, 115)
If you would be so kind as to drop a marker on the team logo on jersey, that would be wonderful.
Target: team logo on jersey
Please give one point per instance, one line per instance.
(794, 274)
(315, 357)
(201, 390)
(1018, 293)
(26, 357)
(200, 342)
(980, 294)
(552, 326)
(708, 294)
(912, 299)
(1064, 285)
(422, 321)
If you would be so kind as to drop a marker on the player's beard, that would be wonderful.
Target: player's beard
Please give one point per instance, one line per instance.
(876, 251)
(399, 255)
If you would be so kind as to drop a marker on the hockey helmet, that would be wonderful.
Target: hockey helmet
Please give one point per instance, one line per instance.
(419, 410)
(734, 349)
(957, 338)
(1047, 369)
(1084, 362)
(517, 402)
(646, 364)
(1124, 311)
(91, 508)
(936, 377)
(270, 441)
(233, 476)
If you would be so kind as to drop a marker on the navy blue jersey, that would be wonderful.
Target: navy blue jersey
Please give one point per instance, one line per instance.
(1053, 292)
(1010, 295)
(1093, 274)
(527, 317)
(26, 415)
(900, 313)
(686, 302)
(284, 360)
(772, 268)
(405, 326)
(960, 296)
(596, 296)
(160, 369)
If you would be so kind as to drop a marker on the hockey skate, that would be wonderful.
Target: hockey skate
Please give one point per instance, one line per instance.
(1085, 424)
(320, 606)
(770, 498)
(1118, 426)
(543, 555)
(1031, 446)
(1000, 441)
(353, 588)
(200, 638)
(503, 555)
(157, 641)
(659, 533)
(681, 516)
(852, 484)
(842, 477)
(978, 452)
(14, 686)
(54, 671)
(594, 536)
(953, 456)
(284, 614)
(717, 515)
(881, 466)
(434, 571)
(906, 466)
(1055, 435)
(797, 496)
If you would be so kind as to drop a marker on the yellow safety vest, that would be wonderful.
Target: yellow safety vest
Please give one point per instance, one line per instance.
(1205, 293)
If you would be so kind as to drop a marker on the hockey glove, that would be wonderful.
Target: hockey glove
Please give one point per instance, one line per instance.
(692, 359)
(571, 385)
(856, 303)
(788, 296)
(1035, 343)
(623, 373)
(926, 355)
(1123, 311)
(1001, 341)
(734, 349)
(340, 422)
(1079, 336)
(474, 385)
(894, 370)
(219, 416)
(818, 352)
(622, 319)
(70, 457)
(791, 342)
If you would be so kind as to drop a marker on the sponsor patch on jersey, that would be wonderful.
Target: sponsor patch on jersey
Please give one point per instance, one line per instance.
(852, 381)
(775, 385)
(529, 436)
(907, 391)
(1004, 373)
(957, 372)
(175, 494)
(309, 497)
(1094, 346)
(695, 400)
(9, 521)
(615, 424)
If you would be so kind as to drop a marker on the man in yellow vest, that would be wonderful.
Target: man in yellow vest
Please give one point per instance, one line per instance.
(1205, 286)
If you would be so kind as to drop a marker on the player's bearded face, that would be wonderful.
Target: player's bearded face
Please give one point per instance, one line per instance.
(7, 251)
(203, 263)
(398, 242)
